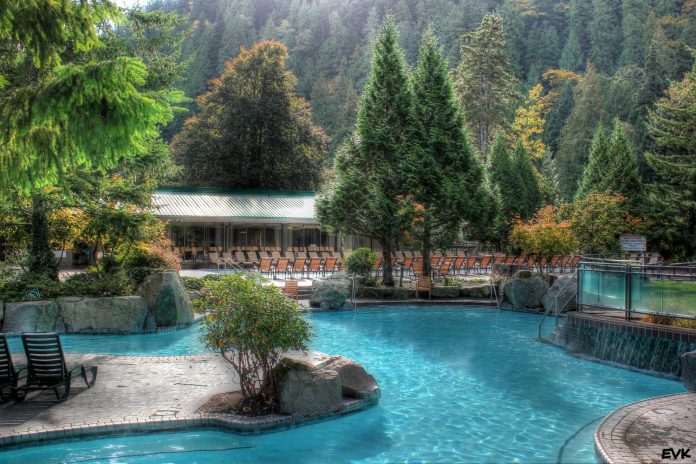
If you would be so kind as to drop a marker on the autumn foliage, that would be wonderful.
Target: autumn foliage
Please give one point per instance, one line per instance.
(545, 234)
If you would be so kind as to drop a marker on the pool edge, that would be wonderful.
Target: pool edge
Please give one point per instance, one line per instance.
(231, 423)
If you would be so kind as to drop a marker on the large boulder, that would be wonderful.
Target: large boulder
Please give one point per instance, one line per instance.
(525, 292)
(313, 384)
(565, 287)
(31, 316)
(507, 270)
(167, 299)
(688, 361)
(124, 314)
(309, 392)
(331, 292)
(356, 382)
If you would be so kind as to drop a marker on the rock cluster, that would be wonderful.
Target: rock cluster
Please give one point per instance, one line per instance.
(163, 302)
(314, 384)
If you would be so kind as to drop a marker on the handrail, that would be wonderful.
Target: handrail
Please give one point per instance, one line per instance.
(557, 308)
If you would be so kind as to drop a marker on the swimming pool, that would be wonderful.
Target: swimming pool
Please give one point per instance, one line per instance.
(458, 385)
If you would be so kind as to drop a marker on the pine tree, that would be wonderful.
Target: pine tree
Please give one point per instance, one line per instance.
(516, 183)
(577, 47)
(572, 57)
(531, 198)
(599, 162)
(605, 34)
(578, 131)
(673, 128)
(483, 81)
(368, 198)
(636, 31)
(444, 178)
(622, 174)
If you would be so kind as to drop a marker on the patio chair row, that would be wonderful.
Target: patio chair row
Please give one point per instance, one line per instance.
(454, 265)
(273, 266)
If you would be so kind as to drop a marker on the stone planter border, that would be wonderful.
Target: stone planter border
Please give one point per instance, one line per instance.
(232, 423)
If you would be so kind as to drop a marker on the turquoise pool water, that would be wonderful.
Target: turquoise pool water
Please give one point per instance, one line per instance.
(459, 385)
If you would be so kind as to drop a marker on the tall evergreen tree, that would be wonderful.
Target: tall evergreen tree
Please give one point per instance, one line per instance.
(673, 127)
(578, 131)
(368, 199)
(531, 198)
(597, 166)
(636, 31)
(483, 80)
(444, 178)
(577, 47)
(622, 174)
(605, 34)
(252, 130)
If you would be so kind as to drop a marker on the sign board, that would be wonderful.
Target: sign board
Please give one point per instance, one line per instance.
(631, 242)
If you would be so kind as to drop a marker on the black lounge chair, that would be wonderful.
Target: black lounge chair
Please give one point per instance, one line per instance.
(9, 376)
(46, 366)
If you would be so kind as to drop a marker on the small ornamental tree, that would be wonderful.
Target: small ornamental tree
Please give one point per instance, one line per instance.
(360, 262)
(597, 221)
(252, 325)
(545, 234)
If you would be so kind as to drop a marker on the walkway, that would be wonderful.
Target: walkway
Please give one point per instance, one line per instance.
(645, 431)
(129, 390)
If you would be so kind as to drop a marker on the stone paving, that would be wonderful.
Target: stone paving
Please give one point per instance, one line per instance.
(128, 389)
(645, 431)
(139, 394)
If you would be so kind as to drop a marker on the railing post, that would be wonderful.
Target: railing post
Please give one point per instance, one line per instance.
(627, 289)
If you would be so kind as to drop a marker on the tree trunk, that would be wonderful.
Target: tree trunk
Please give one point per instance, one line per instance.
(41, 258)
(426, 248)
(387, 271)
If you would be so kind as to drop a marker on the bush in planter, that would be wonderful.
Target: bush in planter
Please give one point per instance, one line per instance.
(360, 262)
(143, 262)
(95, 284)
(28, 286)
(251, 325)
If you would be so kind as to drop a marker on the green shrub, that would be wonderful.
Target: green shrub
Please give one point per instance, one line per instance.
(140, 264)
(94, 284)
(40, 286)
(360, 262)
(193, 284)
(251, 325)
(448, 282)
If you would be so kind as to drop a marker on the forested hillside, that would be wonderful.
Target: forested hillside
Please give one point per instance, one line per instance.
(636, 46)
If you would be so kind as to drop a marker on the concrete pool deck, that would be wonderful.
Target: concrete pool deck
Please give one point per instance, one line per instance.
(645, 431)
(138, 394)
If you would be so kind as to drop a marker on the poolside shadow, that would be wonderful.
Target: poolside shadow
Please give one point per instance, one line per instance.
(15, 414)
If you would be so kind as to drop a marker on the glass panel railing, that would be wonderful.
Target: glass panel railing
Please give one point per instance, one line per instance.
(660, 295)
(601, 287)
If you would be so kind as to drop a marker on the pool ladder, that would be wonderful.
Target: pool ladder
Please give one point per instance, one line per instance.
(556, 306)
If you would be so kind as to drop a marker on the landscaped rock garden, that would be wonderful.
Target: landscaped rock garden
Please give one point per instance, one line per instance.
(163, 301)
(309, 385)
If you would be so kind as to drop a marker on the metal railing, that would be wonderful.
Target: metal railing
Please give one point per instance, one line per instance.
(621, 285)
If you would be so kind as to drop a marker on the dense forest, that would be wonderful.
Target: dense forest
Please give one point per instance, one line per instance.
(635, 47)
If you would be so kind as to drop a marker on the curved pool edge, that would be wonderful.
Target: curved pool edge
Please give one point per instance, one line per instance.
(659, 423)
(231, 423)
